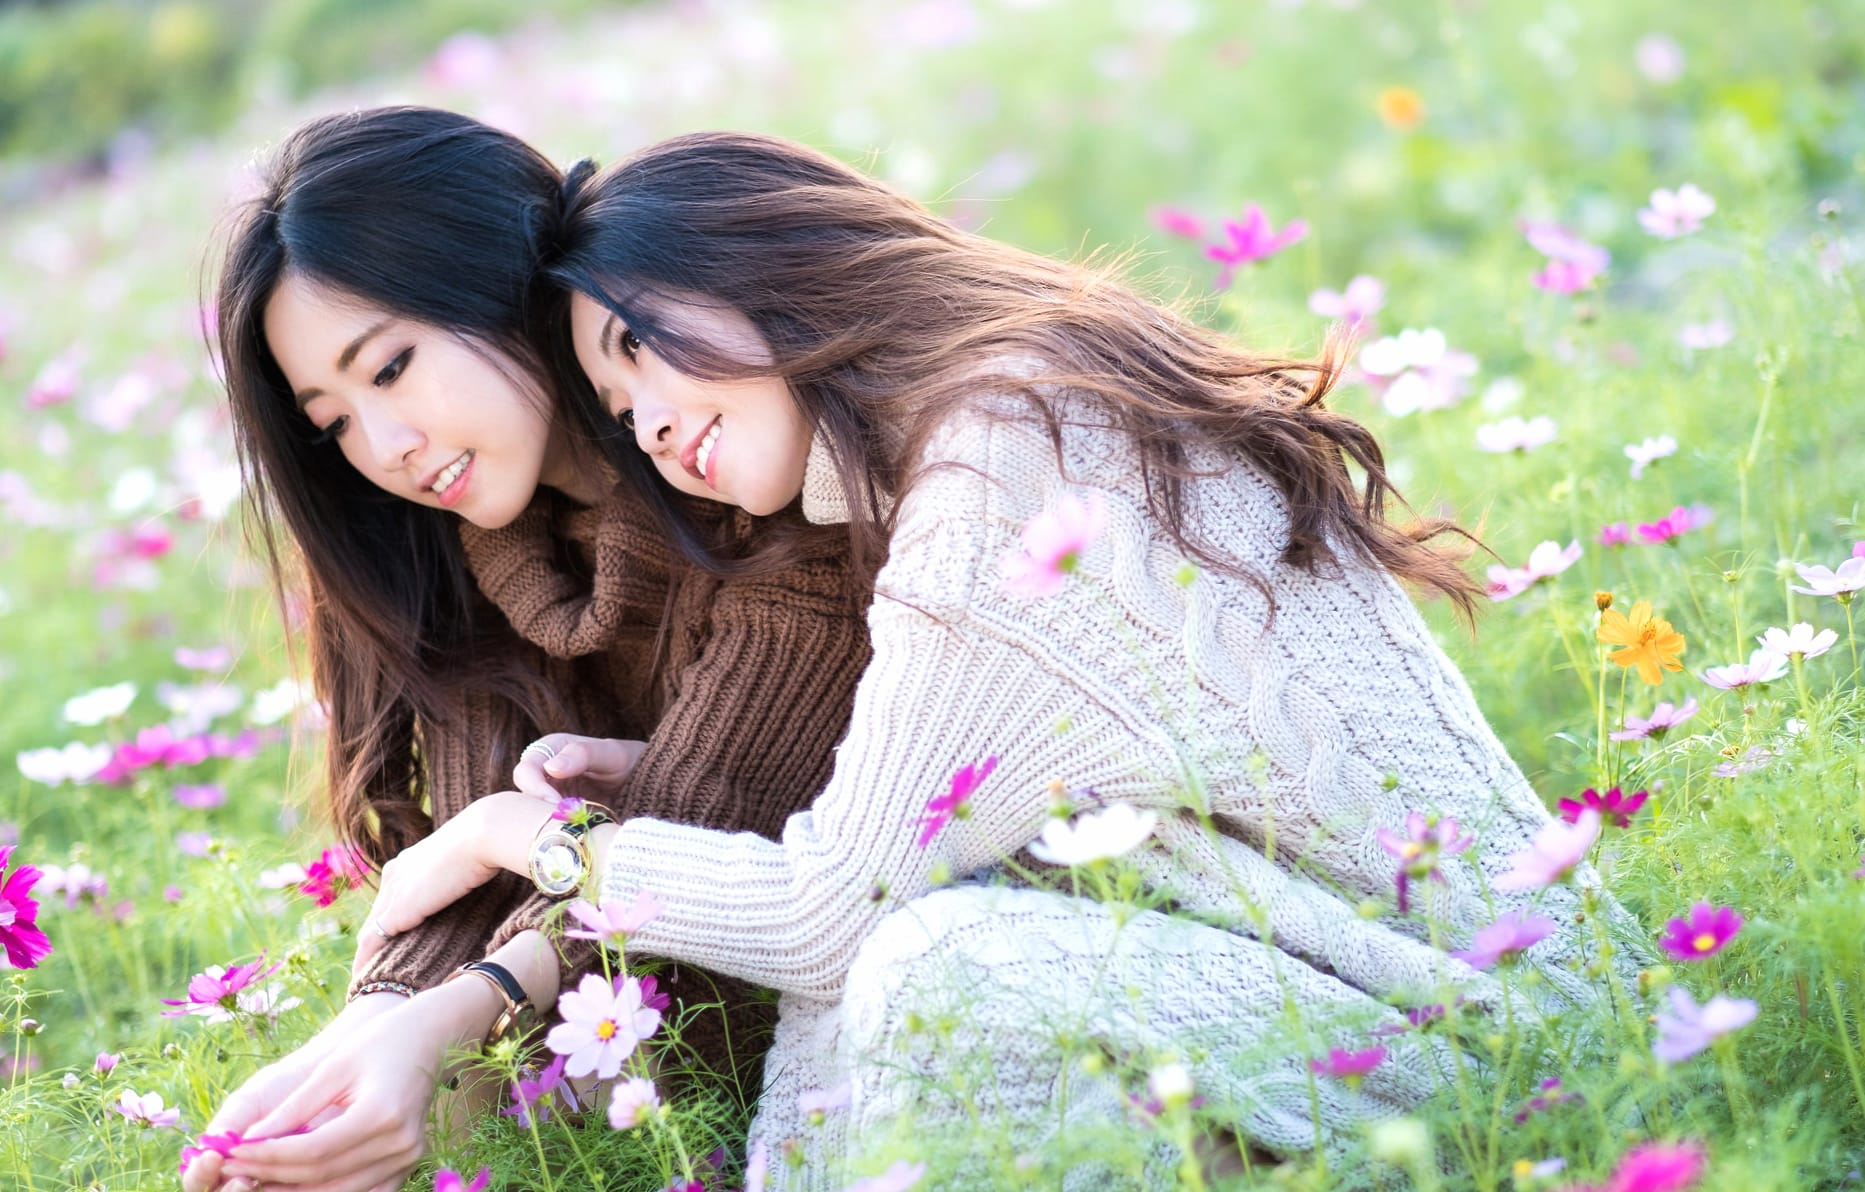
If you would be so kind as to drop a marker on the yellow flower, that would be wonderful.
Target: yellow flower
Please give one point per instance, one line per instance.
(1401, 108)
(1646, 642)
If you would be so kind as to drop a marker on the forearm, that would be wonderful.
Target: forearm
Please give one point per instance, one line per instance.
(461, 1012)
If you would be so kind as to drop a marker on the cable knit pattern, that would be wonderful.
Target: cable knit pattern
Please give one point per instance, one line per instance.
(1129, 686)
(754, 693)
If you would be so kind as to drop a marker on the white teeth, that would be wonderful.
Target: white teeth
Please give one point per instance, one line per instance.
(451, 473)
(705, 444)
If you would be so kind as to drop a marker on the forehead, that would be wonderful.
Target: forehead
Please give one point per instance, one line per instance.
(306, 325)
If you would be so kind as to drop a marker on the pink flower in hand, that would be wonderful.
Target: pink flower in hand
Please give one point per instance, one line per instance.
(1551, 857)
(1702, 933)
(602, 1025)
(1053, 543)
(1250, 241)
(614, 923)
(956, 802)
(448, 1180)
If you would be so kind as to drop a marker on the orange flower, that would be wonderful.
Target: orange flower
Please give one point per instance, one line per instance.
(1646, 642)
(1401, 108)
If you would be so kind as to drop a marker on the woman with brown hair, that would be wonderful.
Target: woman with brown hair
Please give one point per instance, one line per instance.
(1128, 578)
(477, 571)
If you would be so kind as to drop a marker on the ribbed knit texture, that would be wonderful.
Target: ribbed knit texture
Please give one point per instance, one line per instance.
(1128, 686)
(741, 727)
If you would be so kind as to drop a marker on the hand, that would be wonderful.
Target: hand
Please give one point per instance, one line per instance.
(366, 1102)
(585, 767)
(491, 833)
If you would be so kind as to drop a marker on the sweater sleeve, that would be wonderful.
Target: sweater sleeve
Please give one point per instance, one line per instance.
(945, 689)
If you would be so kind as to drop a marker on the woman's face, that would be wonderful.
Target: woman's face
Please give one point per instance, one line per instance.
(743, 442)
(420, 413)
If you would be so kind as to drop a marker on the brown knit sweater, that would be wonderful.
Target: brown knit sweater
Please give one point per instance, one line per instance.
(755, 688)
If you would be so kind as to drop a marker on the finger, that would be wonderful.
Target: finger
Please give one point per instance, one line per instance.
(348, 1144)
(318, 1092)
(571, 760)
(384, 1174)
(530, 779)
(603, 759)
(368, 943)
(203, 1174)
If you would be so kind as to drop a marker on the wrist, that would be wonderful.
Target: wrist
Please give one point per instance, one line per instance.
(512, 823)
(599, 840)
(458, 1013)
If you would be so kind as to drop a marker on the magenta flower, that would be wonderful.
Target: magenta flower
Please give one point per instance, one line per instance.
(602, 1025)
(25, 944)
(338, 868)
(1176, 221)
(1053, 544)
(1251, 241)
(1348, 1065)
(1689, 1028)
(1506, 938)
(218, 1144)
(1763, 666)
(1573, 264)
(105, 1063)
(1547, 1097)
(214, 993)
(1614, 807)
(536, 1097)
(1659, 1167)
(1551, 857)
(612, 925)
(1426, 841)
(1615, 534)
(448, 1180)
(1676, 213)
(1355, 306)
(201, 796)
(632, 1102)
(1663, 719)
(1701, 933)
(956, 802)
(1675, 524)
(146, 1110)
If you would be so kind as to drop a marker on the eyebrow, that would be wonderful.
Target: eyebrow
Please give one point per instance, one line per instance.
(602, 341)
(345, 358)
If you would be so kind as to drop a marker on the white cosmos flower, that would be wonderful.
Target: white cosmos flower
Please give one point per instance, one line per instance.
(1799, 640)
(101, 704)
(1825, 581)
(1095, 836)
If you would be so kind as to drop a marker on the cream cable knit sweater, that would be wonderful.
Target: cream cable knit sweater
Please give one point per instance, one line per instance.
(1138, 688)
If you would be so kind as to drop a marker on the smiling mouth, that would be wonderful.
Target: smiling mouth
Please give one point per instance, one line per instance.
(698, 454)
(447, 486)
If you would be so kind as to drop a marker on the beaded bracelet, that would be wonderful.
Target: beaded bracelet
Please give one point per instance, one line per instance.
(369, 987)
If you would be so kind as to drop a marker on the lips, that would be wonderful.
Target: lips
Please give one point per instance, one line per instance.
(689, 455)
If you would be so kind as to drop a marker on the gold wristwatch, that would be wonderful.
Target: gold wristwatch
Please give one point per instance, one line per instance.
(560, 854)
(516, 1017)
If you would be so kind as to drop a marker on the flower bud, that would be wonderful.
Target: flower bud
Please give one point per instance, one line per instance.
(1602, 600)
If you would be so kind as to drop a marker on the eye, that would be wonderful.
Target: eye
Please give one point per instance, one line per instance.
(630, 344)
(330, 433)
(393, 368)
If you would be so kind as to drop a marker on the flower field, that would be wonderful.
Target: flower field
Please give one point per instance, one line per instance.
(1602, 270)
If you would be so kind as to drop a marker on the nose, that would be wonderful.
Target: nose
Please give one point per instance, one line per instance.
(393, 443)
(655, 425)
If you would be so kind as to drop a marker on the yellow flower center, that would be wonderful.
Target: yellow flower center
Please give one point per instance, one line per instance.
(1704, 943)
(605, 1030)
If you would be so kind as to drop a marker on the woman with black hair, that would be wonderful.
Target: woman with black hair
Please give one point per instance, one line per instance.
(479, 569)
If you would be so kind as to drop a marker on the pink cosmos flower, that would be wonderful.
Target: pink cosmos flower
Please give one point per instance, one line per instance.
(538, 1096)
(1516, 434)
(1615, 534)
(1763, 666)
(1551, 857)
(602, 1025)
(1348, 1065)
(1659, 1167)
(632, 1102)
(1675, 524)
(105, 1063)
(1840, 584)
(24, 943)
(1176, 221)
(338, 868)
(146, 1110)
(1506, 938)
(1546, 561)
(214, 993)
(898, 1178)
(1701, 933)
(56, 383)
(1689, 1028)
(1676, 213)
(1701, 337)
(201, 796)
(1250, 241)
(956, 802)
(1615, 807)
(448, 1180)
(1798, 642)
(1053, 544)
(1426, 841)
(1416, 370)
(1660, 59)
(212, 658)
(614, 924)
(1548, 1096)
(1753, 758)
(1573, 264)
(1663, 719)
(1649, 451)
(1355, 306)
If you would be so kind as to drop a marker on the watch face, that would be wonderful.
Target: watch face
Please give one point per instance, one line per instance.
(557, 864)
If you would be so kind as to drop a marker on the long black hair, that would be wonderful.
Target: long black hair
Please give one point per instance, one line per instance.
(440, 219)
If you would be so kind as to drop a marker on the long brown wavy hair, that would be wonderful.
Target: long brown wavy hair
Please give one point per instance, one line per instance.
(437, 218)
(880, 314)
